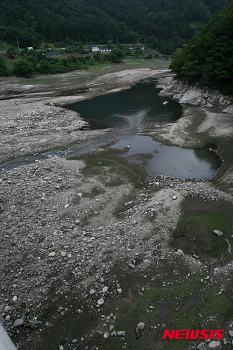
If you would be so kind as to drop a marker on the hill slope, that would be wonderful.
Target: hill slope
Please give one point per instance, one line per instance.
(168, 23)
(208, 57)
(162, 24)
(52, 20)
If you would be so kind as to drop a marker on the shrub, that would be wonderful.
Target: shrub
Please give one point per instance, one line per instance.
(23, 68)
(117, 55)
(3, 68)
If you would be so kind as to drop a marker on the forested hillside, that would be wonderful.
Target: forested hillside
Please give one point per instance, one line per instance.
(161, 24)
(54, 21)
(208, 57)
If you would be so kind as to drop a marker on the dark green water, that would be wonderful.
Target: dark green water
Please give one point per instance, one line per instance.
(133, 108)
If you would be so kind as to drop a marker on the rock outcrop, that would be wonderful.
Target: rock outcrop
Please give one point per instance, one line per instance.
(194, 95)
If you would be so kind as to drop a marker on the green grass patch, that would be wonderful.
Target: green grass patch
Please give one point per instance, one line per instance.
(187, 305)
(179, 291)
(97, 68)
(197, 316)
(194, 234)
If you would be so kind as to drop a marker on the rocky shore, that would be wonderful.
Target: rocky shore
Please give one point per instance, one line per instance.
(196, 96)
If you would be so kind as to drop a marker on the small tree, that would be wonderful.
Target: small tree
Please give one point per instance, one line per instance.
(3, 68)
(33, 60)
(23, 68)
(80, 47)
(109, 44)
(45, 67)
(11, 53)
(117, 55)
(98, 57)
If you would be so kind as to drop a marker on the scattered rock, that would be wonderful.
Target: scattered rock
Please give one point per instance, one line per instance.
(121, 333)
(104, 290)
(18, 323)
(51, 254)
(100, 302)
(214, 345)
(218, 233)
(141, 326)
(132, 266)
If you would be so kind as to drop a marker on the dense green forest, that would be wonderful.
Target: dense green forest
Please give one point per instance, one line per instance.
(208, 57)
(164, 25)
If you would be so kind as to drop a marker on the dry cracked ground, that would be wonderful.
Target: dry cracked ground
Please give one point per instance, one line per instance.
(89, 247)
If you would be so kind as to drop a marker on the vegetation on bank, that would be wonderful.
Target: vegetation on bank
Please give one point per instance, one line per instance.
(29, 62)
(208, 57)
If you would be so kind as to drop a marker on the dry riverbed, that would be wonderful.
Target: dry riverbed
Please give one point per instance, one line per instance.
(88, 249)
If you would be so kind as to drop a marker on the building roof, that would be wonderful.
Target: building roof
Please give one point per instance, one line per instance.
(52, 54)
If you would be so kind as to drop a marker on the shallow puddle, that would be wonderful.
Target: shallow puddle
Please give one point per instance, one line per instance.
(200, 163)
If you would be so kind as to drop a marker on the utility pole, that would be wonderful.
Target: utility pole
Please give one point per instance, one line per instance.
(18, 42)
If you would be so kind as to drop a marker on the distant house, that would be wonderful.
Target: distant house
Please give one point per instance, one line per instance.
(53, 54)
(95, 49)
(106, 50)
(30, 48)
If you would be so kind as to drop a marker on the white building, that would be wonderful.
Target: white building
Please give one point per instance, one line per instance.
(94, 49)
(106, 49)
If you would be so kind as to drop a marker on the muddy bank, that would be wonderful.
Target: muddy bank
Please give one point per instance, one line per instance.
(86, 251)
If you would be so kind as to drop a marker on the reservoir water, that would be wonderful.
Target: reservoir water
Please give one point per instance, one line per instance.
(201, 163)
(132, 110)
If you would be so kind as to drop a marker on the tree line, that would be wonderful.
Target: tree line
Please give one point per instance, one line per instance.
(32, 62)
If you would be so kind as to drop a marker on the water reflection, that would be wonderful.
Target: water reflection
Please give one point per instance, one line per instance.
(172, 161)
(132, 108)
